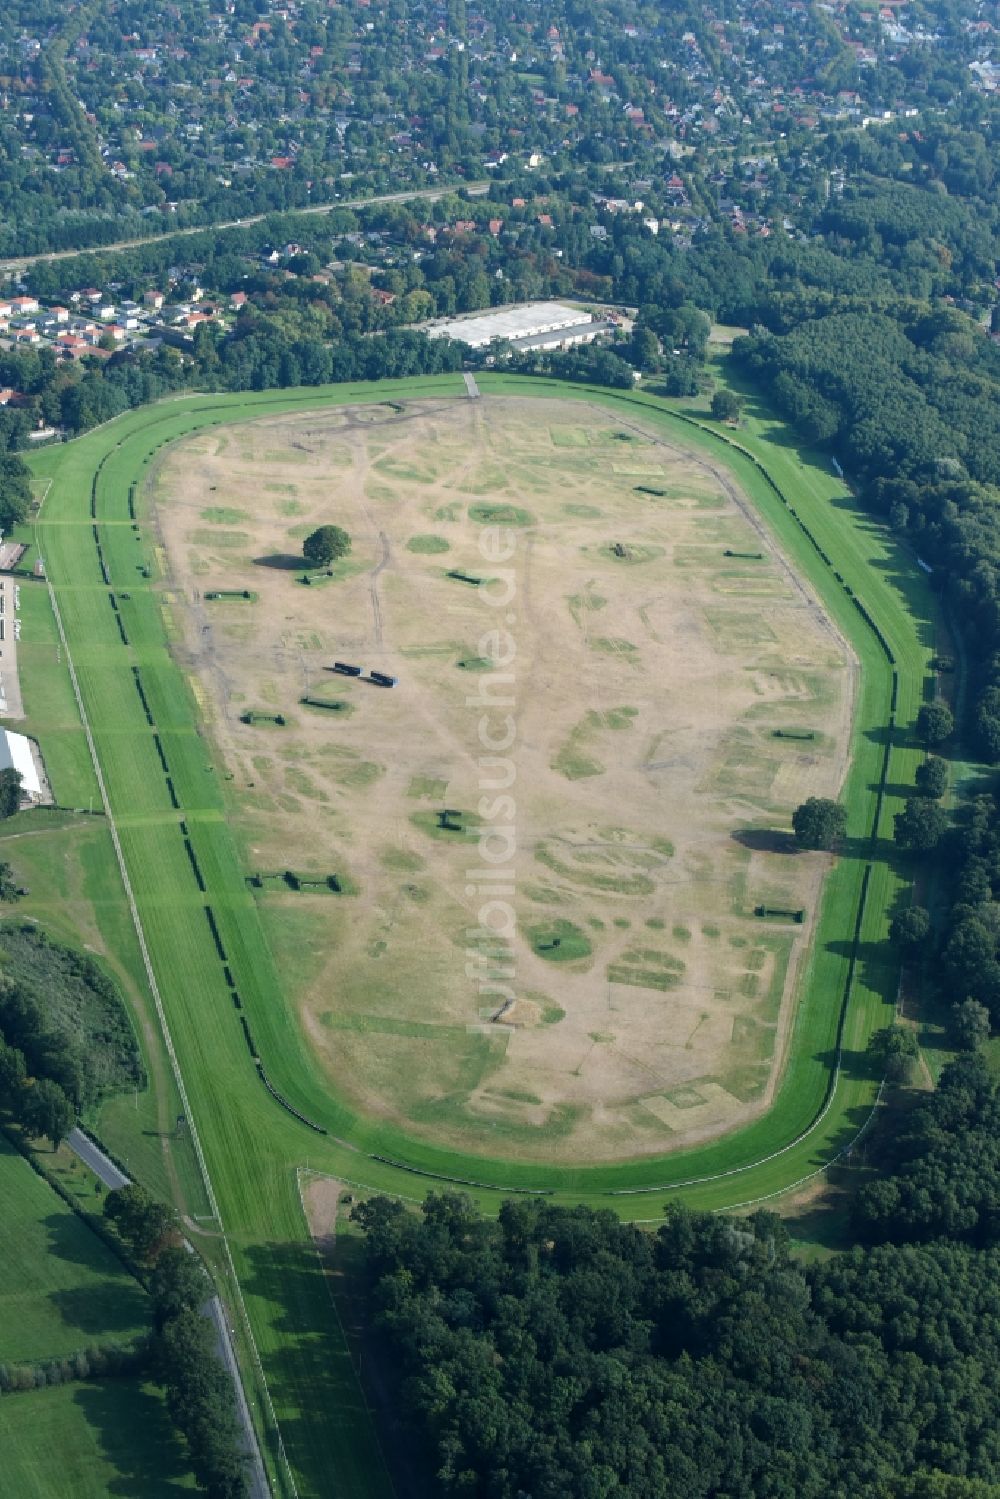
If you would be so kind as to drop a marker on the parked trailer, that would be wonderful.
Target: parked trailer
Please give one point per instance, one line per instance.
(346, 670)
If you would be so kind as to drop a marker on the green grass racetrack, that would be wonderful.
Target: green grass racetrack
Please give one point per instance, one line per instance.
(251, 1144)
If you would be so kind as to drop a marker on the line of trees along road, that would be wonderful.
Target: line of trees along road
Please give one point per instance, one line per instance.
(183, 1359)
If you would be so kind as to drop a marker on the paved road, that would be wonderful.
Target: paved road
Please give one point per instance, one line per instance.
(18, 263)
(95, 1158)
(216, 1312)
(471, 386)
(102, 1166)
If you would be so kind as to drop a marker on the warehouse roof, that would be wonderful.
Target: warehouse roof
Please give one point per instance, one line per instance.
(525, 321)
(15, 751)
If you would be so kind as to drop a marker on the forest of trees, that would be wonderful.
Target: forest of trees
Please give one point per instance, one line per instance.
(559, 1353)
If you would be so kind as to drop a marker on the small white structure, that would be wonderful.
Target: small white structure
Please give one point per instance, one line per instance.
(15, 752)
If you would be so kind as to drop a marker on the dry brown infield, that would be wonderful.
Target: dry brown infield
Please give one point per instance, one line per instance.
(512, 899)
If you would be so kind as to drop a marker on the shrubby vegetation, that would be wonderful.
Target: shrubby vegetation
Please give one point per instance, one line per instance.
(95, 1362)
(65, 1037)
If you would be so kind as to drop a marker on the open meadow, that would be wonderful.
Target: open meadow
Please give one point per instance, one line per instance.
(65, 1294)
(92, 1440)
(62, 1288)
(673, 692)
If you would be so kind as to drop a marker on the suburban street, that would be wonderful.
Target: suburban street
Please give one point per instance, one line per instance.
(14, 267)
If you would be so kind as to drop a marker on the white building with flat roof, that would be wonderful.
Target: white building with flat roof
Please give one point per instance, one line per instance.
(15, 752)
(549, 325)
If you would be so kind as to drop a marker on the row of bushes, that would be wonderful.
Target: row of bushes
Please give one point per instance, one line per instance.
(92, 1362)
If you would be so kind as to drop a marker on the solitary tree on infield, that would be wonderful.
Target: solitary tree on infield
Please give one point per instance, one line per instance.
(819, 822)
(325, 545)
(935, 723)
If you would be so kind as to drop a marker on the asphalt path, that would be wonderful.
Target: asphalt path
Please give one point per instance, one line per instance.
(102, 1166)
(92, 1156)
(18, 263)
(216, 1312)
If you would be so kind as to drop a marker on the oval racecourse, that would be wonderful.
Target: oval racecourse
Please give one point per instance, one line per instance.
(551, 836)
(646, 617)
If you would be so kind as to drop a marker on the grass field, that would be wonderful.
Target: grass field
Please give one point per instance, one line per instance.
(65, 1292)
(62, 1288)
(91, 1440)
(251, 1146)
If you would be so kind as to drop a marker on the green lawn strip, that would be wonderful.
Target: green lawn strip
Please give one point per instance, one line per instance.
(89, 1440)
(49, 705)
(63, 1289)
(290, 1299)
(232, 1109)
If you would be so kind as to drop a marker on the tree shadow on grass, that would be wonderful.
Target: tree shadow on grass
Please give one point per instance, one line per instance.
(766, 840)
(103, 1309)
(778, 841)
(869, 850)
(883, 735)
(854, 1065)
(134, 1433)
(901, 789)
(282, 562)
(820, 1222)
(876, 968)
(310, 1366)
(70, 1240)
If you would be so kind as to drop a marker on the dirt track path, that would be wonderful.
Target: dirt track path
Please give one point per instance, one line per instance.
(385, 557)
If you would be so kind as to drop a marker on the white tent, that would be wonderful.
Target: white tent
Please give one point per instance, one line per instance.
(15, 750)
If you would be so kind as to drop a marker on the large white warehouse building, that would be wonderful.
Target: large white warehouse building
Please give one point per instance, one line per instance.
(538, 325)
(15, 752)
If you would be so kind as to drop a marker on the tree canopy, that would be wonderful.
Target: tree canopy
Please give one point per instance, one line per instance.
(325, 545)
(556, 1349)
(819, 822)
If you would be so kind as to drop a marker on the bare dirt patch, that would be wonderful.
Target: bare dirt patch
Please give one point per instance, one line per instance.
(321, 1202)
(657, 642)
